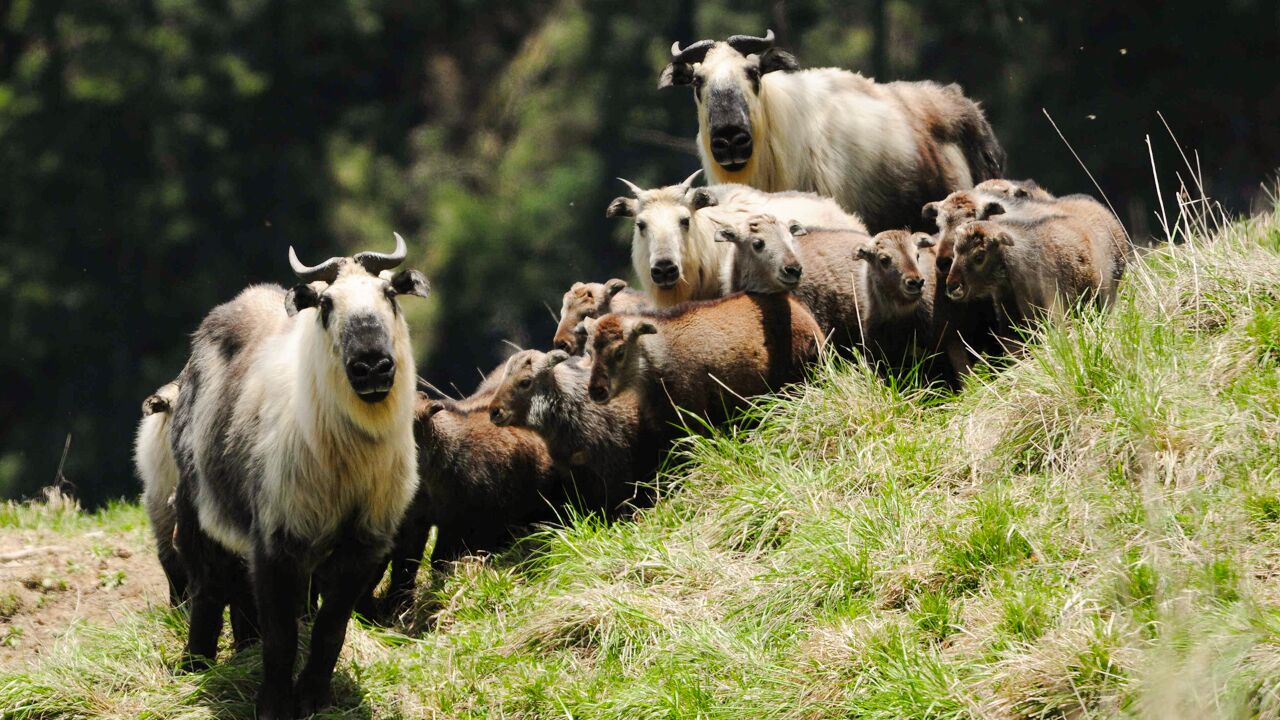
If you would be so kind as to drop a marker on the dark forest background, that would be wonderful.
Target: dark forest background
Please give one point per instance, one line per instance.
(156, 156)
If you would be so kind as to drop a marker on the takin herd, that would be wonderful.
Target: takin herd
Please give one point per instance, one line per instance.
(296, 456)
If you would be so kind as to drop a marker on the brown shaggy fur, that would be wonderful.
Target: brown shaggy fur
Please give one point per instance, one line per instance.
(585, 300)
(895, 297)
(704, 357)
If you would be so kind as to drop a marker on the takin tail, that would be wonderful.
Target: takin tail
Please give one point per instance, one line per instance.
(973, 133)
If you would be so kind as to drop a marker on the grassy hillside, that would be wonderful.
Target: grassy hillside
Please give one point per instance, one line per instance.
(1093, 531)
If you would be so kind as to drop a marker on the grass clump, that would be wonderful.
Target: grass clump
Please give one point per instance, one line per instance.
(1090, 531)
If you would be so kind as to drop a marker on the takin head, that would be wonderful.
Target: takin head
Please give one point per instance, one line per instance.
(355, 300)
(525, 373)
(582, 301)
(612, 343)
(893, 267)
(660, 239)
(764, 254)
(978, 261)
(725, 77)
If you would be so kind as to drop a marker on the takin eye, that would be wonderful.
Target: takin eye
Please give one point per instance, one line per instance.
(758, 244)
(684, 223)
(619, 353)
(698, 82)
(979, 256)
(885, 260)
(642, 225)
(524, 383)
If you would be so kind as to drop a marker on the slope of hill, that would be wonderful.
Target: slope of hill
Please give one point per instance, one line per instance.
(1093, 530)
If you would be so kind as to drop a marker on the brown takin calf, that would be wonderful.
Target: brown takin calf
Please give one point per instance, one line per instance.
(1032, 267)
(895, 297)
(547, 392)
(869, 293)
(480, 483)
(705, 357)
(585, 300)
(819, 266)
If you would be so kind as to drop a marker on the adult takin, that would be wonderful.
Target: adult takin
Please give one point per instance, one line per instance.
(881, 150)
(673, 248)
(706, 357)
(293, 439)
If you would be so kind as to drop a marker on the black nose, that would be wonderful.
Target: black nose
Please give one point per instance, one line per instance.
(791, 273)
(953, 288)
(664, 273)
(599, 393)
(915, 284)
(370, 367)
(731, 145)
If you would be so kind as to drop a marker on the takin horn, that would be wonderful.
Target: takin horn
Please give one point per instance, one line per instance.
(635, 189)
(692, 54)
(748, 45)
(326, 271)
(375, 262)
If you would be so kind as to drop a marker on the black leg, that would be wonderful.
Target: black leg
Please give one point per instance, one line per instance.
(206, 562)
(346, 575)
(277, 587)
(244, 612)
(406, 558)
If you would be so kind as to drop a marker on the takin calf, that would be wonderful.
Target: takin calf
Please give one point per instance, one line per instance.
(153, 460)
(706, 357)
(673, 246)
(819, 266)
(479, 484)
(881, 150)
(868, 293)
(591, 300)
(293, 439)
(548, 393)
(1034, 267)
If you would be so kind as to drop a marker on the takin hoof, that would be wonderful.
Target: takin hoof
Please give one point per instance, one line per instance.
(193, 664)
(311, 696)
(275, 705)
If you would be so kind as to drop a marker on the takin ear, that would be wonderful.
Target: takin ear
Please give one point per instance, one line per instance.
(675, 74)
(615, 286)
(300, 297)
(924, 240)
(865, 252)
(426, 408)
(796, 229)
(588, 324)
(703, 198)
(1001, 238)
(621, 207)
(726, 234)
(774, 59)
(930, 213)
(555, 357)
(991, 209)
(410, 282)
(644, 327)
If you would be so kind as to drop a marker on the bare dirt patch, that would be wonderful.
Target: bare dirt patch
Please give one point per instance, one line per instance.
(50, 581)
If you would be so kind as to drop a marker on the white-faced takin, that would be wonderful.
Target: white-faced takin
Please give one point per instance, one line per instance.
(293, 439)
(705, 357)
(673, 246)
(881, 150)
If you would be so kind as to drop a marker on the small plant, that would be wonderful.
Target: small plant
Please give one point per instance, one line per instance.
(10, 605)
(111, 579)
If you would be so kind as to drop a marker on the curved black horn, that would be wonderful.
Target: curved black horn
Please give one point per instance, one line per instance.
(748, 45)
(326, 271)
(692, 54)
(377, 262)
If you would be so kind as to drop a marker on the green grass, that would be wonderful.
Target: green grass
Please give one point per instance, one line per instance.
(1093, 531)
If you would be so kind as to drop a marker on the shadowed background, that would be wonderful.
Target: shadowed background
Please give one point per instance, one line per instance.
(156, 156)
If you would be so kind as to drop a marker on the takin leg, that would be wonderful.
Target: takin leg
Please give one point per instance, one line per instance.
(345, 576)
(206, 565)
(278, 588)
(406, 559)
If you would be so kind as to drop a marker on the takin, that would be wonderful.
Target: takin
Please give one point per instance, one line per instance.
(818, 265)
(881, 150)
(293, 439)
(673, 248)
(591, 300)
(548, 393)
(705, 358)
